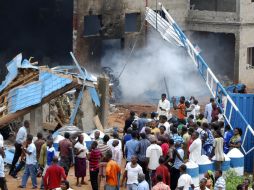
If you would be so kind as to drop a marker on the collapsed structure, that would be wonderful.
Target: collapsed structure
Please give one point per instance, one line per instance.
(52, 97)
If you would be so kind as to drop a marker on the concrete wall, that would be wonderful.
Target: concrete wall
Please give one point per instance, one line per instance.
(246, 11)
(246, 40)
(88, 50)
(214, 5)
(229, 18)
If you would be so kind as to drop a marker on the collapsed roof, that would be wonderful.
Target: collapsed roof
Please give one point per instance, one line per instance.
(27, 86)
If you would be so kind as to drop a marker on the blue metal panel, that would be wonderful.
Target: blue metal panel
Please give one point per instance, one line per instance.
(94, 95)
(12, 71)
(245, 103)
(52, 82)
(31, 94)
(25, 96)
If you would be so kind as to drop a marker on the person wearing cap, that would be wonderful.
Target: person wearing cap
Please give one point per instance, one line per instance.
(153, 154)
(163, 106)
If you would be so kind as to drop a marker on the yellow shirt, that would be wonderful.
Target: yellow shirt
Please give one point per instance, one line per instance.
(155, 130)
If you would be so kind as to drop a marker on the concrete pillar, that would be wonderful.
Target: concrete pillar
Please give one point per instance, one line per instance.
(36, 121)
(103, 86)
(86, 113)
(237, 58)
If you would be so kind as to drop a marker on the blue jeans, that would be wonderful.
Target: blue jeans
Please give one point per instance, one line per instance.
(30, 170)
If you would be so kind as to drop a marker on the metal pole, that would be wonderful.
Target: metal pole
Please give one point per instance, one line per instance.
(156, 13)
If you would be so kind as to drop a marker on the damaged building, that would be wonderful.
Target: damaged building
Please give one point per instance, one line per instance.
(222, 28)
(51, 98)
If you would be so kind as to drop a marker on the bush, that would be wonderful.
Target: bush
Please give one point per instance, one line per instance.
(232, 180)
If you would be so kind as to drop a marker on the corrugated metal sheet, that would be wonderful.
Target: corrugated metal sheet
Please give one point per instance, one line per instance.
(245, 103)
(94, 95)
(13, 67)
(32, 93)
(12, 71)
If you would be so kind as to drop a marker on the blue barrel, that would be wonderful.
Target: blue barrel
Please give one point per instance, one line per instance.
(237, 161)
(204, 164)
(225, 166)
(193, 171)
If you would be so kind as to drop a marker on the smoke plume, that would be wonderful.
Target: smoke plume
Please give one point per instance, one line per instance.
(149, 67)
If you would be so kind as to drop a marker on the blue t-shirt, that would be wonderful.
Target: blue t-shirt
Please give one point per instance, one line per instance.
(126, 138)
(130, 148)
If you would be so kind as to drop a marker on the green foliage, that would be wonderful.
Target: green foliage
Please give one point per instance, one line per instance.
(232, 180)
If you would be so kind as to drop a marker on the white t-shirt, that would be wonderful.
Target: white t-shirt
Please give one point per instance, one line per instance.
(166, 125)
(110, 142)
(164, 105)
(31, 159)
(153, 152)
(21, 135)
(195, 150)
(132, 173)
(185, 181)
(80, 146)
(1, 166)
(208, 112)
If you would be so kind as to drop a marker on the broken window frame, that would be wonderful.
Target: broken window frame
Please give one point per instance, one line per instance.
(250, 56)
(92, 22)
(138, 22)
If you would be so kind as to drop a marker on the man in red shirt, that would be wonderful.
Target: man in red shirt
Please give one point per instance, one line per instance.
(163, 171)
(54, 175)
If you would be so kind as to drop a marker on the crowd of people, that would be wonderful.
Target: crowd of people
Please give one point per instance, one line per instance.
(153, 151)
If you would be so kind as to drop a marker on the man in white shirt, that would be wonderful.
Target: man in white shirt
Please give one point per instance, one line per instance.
(132, 170)
(31, 161)
(163, 121)
(153, 153)
(163, 106)
(208, 110)
(195, 147)
(20, 139)
(185, 180)
(3, 185)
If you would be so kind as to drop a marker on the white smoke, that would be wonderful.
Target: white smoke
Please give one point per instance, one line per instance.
(148, 67)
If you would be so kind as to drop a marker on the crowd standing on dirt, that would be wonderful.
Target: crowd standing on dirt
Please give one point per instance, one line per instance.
(153, 150)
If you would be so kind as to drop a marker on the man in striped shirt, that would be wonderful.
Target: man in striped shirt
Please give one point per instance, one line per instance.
(94, 163)
(220, 183)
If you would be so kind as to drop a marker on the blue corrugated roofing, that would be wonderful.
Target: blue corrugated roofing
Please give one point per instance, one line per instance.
(245, 103)
(31, 94)
(94, 96)
(13, 67)
(12, 71)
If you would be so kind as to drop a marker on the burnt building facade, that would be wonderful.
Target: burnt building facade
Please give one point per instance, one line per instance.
(223, 29)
